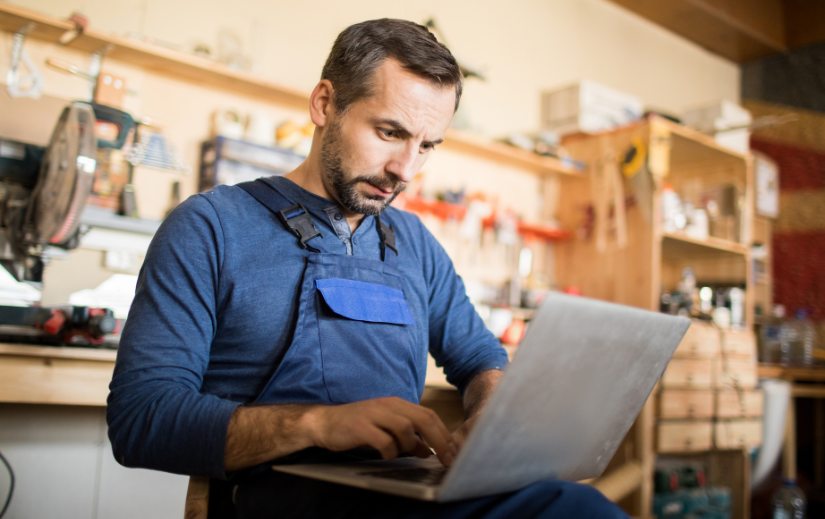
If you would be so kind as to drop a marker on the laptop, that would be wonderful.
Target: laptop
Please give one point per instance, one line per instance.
(581, 376)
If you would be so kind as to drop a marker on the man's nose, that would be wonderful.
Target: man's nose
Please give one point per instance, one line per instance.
(404, 163)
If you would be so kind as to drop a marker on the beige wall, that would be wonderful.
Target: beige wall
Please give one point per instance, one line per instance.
(524, 47)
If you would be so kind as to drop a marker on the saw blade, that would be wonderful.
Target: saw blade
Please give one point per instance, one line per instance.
(66, 176)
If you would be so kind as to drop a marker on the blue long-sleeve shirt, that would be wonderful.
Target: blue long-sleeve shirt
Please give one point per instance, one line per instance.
(215, 309)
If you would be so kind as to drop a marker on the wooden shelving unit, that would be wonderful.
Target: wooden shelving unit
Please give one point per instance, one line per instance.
(651, 260)
(204, 71)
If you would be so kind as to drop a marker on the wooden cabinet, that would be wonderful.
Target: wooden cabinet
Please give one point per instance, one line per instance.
(684, 436)
(680, 403)
(731, 403)
(737, 434)
(702, 340)
(689, 373)
(624, 254)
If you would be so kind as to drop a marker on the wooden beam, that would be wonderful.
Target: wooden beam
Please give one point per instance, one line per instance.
(620, 482)
(804, 22)
(739, 30)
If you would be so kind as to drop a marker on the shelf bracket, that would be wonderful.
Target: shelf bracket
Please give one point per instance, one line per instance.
(17, 85)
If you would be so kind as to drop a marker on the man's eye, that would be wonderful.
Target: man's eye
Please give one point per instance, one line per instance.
(427, 147)
(389, 133)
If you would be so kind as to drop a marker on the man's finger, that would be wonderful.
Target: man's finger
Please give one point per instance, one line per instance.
(421, 450)
(383, 442)
(400, 428)
(435, 433)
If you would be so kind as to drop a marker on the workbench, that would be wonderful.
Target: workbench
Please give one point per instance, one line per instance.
(55, 375)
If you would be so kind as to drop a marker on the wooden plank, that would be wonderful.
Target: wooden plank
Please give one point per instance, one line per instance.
(808, 391)
(620, 482)
(33, 380)
(740, 34)
(58, 352)
(683, 245)
(730, 403)
(506, 154)
(680, 403)
(791, 373)
(684, 436)
(803, 22)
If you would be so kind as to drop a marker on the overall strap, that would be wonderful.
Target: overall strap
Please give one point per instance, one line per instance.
(387, 237)
(295, 217)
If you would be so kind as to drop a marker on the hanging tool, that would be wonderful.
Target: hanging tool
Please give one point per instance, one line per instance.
(609, 202)
(17, 85)
(634, 167)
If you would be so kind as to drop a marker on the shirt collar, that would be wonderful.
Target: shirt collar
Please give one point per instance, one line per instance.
(314, 203)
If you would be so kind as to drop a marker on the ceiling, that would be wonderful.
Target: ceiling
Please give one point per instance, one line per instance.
(740, 30)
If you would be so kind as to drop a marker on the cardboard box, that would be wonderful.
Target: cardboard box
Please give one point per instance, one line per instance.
(587, 107)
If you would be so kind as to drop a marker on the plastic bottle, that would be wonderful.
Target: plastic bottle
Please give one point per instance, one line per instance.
(789, 502)
(805, 339)
(788, 339)
(769, 344)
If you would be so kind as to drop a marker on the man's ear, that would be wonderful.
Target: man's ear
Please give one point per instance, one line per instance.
(320, 103)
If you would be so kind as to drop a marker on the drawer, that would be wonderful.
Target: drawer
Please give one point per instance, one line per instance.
(702, 340)
(735, 434)
(734, 373)
(684, 436)
(688, 373)
(739, 404)
(685, 403)
(739, 343)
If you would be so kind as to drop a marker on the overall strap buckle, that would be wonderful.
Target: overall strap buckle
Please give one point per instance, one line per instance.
(386, 235)
(301, 225)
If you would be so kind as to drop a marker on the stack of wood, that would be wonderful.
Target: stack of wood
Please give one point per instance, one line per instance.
(708, 395)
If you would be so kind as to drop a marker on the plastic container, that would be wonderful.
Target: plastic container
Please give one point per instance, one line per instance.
(788, 339)
(789, 502)
(769, 346)
(806, 338)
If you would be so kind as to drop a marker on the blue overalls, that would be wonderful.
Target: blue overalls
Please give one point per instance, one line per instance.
(356, 339)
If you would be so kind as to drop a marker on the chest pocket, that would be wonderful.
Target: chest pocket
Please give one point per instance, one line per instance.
(368, 340)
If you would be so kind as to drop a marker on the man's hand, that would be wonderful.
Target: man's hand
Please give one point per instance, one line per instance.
(390, 425)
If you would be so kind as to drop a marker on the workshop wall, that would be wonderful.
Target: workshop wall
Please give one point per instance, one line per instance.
(523, 48)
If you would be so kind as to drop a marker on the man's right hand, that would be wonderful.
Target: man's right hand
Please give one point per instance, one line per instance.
(388, 425)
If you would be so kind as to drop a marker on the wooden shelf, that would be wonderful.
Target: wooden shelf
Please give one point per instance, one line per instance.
(792, 373)
(204, 71)
(674, 244)
(500, 152)
(690, 148)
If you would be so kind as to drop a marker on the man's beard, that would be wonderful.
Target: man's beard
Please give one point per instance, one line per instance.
(346, 190)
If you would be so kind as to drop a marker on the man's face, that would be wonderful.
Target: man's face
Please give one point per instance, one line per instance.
(370, 153)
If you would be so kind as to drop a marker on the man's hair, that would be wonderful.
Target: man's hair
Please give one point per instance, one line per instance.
(361, 48)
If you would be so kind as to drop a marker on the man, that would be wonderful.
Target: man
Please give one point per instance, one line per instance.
(289, 319)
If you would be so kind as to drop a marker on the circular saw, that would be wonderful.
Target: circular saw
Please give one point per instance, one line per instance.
(65, 180)
(42, 209)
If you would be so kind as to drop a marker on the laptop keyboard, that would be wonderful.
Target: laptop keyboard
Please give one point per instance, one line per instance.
(428, 476)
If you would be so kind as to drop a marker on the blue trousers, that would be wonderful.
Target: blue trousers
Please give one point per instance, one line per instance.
(276, 495)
